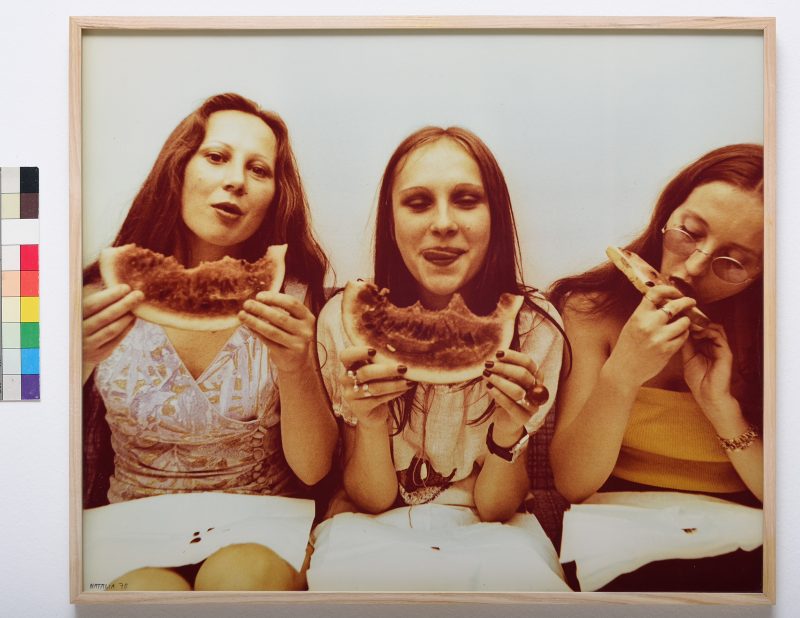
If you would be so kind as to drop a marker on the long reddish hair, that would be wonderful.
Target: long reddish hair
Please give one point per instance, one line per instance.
(742, 315)
(154, 220)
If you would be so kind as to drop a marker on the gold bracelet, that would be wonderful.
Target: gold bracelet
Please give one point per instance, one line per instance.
(740, 442)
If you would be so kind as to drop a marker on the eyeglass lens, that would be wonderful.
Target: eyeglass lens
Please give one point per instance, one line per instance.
(726, 268)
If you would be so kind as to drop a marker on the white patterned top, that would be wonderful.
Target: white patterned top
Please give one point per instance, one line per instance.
(439, 453)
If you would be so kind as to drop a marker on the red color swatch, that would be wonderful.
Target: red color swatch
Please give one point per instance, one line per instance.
(29, 257)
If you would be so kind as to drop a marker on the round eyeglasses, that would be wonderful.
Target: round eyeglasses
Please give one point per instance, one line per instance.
(682, 243)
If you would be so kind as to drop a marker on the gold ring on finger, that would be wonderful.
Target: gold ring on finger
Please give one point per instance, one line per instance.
(667, 311)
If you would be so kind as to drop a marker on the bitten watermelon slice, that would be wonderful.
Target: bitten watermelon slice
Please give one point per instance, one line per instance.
(207, 297)
(438, 347)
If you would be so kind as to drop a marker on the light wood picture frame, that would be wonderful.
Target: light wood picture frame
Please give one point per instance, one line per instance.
(103, 182)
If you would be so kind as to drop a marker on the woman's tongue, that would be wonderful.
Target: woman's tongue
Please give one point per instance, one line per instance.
(441, 257)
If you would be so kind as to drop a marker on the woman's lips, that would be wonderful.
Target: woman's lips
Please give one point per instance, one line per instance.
(227, 211)
(442, 256)
(683, 287)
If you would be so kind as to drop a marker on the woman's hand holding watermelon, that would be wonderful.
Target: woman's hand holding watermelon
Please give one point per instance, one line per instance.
(367, 386)
(515, 384)
(287, 326)
(107, 318)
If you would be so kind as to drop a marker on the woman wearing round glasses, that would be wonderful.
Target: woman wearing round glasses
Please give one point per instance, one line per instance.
(653, 402)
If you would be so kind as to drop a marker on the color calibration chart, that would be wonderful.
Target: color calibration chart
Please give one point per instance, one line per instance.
(19, 287)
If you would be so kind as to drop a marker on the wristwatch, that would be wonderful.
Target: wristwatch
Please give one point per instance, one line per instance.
(509, 453)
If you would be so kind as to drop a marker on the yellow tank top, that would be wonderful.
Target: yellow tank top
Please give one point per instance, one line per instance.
(670, 443)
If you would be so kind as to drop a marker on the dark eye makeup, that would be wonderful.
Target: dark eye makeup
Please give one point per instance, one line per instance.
(417, 198)
(468, 197)
(214, 156)
(260, 170)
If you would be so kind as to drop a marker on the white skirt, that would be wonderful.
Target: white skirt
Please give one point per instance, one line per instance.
(433, 547)
(618, 532)
(177, 529)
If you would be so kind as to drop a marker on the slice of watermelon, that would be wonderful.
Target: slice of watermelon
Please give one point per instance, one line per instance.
(643, 277)
(438, 347)
(207, 297)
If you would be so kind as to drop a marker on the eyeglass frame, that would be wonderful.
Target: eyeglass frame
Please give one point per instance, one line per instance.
(688, 234)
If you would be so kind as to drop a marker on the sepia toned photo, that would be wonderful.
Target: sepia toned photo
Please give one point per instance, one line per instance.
(433, 308)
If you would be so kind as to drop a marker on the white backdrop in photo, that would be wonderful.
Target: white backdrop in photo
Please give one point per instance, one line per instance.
(587, 127)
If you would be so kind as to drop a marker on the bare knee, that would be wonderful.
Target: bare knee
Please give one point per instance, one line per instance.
(247, 566)
(149, 578)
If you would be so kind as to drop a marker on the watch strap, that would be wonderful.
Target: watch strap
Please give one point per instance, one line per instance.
(508, 453)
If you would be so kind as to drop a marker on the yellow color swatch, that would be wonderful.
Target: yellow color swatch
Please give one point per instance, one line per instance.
(29, 309)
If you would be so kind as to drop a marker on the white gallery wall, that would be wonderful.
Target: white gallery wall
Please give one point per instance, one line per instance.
(587, 130)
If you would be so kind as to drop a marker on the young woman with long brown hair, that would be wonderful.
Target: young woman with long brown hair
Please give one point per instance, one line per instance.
(652, 402)
(189, 411)
(431, 464)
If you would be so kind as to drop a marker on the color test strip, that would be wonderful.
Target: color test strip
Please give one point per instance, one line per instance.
(19, 283)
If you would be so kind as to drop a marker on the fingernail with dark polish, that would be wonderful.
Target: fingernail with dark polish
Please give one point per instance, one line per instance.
(487, 373)
(401, 369)
(489, 385)
(488, 364)
(371, 352)
(500, 354)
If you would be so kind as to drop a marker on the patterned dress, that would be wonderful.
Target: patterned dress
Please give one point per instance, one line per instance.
(173, 433)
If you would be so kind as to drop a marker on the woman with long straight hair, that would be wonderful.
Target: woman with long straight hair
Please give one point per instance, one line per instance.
(428, 465)
(189, 411)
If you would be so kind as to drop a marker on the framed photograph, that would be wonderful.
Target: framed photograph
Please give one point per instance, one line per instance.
(592, 120)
